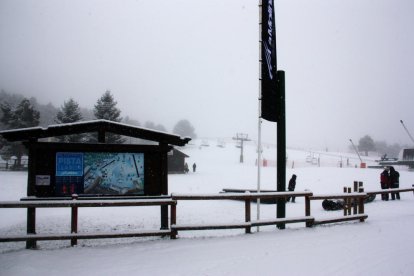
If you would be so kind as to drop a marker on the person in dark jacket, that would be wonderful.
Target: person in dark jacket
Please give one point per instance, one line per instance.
(385, 182)
(291, 187)
(194, 167)
(394, 182)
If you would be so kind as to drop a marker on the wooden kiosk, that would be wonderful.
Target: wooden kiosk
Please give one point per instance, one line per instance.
(96, 170)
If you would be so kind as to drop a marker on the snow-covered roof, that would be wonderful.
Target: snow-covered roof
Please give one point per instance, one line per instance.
(101, 126)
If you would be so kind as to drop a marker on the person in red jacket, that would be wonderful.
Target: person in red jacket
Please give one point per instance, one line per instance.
(385, 182)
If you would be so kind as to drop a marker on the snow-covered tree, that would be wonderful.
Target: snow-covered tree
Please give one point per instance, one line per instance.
(105, 108)
(129, 121)
(158, 127)
(23, 116)
(69, 113)
(184, 128)
(366, 144)
(5, 150)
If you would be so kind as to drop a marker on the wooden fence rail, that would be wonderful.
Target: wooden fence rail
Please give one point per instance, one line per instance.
(388, 191)
(248, 198)
(31, 237)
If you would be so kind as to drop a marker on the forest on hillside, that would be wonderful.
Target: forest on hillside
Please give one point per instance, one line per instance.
(19, 112)
(48, 113)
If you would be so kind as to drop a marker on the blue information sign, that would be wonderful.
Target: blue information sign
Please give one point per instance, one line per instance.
(69, 164)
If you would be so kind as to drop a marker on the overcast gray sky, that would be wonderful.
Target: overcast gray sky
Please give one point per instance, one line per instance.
(349, 64)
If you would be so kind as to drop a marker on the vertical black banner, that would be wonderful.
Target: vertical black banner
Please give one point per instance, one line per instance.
(269, 66)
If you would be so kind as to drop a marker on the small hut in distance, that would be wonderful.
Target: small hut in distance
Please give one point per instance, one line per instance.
(176, 161)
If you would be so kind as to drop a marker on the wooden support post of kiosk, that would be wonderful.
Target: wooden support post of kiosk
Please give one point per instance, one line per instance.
(31, 227)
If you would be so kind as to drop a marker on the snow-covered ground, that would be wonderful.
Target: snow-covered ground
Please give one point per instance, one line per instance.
(382, 245)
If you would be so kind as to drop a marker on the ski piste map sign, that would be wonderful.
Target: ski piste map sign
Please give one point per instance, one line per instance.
(69, 164)
(105, 173)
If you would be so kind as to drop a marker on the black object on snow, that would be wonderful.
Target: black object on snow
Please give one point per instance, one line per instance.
(338, 204)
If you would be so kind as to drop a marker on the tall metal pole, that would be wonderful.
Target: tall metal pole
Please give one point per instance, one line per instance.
(273, 98)
(241, 151)
(356, 150)
(241, 137)
(281, 147)
(259, 127)
(412, 139)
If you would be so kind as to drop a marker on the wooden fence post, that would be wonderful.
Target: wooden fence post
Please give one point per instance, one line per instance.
(308, 210)
(355, 200)
(31, 227)
(74, 221)
(361, 203)
(361, 190)
(247, 215)
(173, 220)
(345, 202)
(349, 202)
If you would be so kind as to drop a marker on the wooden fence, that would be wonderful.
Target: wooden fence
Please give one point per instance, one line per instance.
(31, 237)
(247, 223)
(31, 205)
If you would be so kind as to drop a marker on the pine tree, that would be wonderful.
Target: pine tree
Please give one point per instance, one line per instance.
(70, 113)
(23, 116)
(184, 128)
(7, 114)
(153, 126)
(105, 108)
(366, 144)
(129, 121)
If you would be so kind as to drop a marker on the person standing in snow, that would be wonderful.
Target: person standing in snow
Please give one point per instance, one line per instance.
(394, 182)
(291, 187)
(194, 167)
(385, 182)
